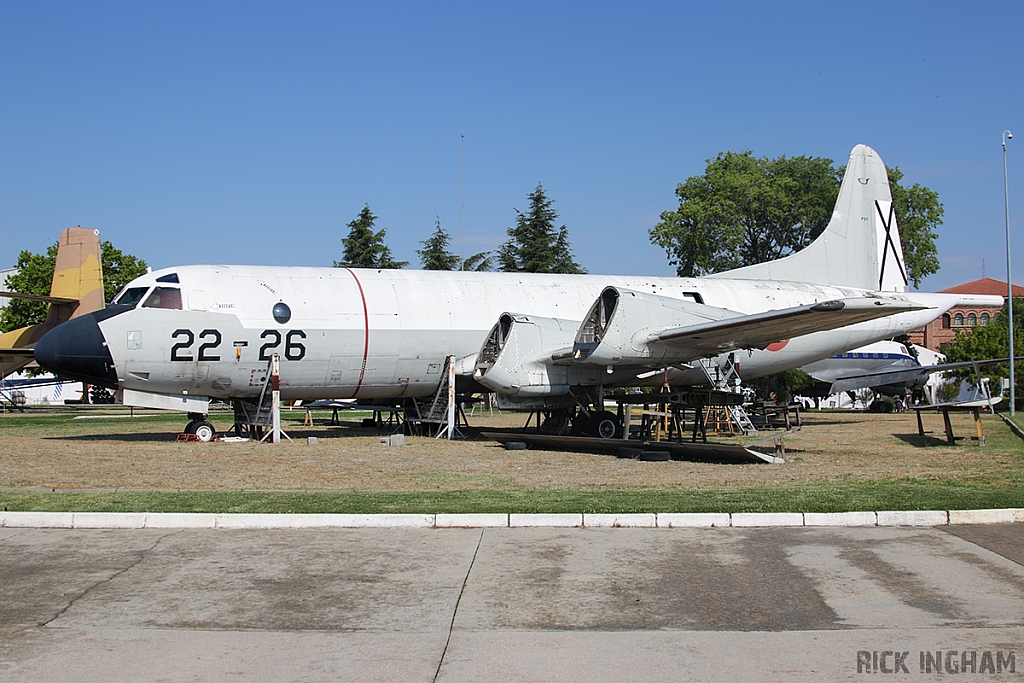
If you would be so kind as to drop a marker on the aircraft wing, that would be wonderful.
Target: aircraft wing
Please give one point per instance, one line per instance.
(12, 360)
(37, 297)
(903, 375)
(16, 354)
(761, 329)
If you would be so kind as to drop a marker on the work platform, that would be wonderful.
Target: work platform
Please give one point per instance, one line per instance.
(686, 450)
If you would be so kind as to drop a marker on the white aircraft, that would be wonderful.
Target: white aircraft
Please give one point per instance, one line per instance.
(177, 337)
(871, 365)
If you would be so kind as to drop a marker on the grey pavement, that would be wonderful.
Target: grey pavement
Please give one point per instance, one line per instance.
(510, 604)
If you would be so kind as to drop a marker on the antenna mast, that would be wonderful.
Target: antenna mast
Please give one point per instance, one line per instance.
(462, 248)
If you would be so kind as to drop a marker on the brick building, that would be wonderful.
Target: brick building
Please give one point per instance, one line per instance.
(942, 330)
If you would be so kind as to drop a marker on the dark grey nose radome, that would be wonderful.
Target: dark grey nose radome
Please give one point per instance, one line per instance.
(76, 350)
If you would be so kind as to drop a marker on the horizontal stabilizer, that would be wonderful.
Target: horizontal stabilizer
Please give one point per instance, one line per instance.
(37, 297)
(761, 329)
(20, 351)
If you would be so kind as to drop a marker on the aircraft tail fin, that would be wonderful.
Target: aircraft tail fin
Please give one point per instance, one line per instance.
(860, 247)
(77, 275)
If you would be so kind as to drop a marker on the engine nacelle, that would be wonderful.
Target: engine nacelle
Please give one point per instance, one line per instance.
(622, 327)
(515, 360)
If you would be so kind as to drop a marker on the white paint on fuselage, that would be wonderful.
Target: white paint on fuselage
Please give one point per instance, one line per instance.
(877, 357)
(386, 333)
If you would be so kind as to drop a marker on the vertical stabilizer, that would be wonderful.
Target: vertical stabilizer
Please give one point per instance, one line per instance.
(76, 289)
(861, 245)
(78, 274)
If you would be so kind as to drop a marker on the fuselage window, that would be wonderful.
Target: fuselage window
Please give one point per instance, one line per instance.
(281, 312)
(131, 296)
(164, 297)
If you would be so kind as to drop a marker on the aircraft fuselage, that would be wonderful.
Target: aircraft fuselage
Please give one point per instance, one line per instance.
(386, 333)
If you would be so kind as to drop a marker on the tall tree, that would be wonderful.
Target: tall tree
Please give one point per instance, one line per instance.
(365, 248)
(535, 245)
(746, 210)
(35, 275)
(435, 255)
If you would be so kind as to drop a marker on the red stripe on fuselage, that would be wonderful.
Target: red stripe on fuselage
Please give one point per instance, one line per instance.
(366, 332)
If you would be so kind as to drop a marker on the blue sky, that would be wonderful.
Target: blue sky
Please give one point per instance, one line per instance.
(252, 132)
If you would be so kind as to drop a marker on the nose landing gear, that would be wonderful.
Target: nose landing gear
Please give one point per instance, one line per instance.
(203, 430)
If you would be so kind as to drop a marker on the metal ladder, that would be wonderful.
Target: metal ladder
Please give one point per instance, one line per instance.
(729, 380)
(742, 420)
(433, 411)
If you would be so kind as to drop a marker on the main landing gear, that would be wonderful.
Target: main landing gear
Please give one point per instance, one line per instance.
(602, 424)
(198, 425)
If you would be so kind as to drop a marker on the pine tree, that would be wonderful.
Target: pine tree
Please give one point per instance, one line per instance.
(534, 244)
(435, 254)
(365, 248)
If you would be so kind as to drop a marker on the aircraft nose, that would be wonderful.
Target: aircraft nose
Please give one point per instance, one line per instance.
(77, 350)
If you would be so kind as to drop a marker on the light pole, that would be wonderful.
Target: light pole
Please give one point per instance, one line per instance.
(1007, 135)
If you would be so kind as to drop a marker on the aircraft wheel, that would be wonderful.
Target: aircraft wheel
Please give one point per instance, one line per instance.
(604, 425)
(190, 428)
(880, 406)
(556, 425)
(204, 431)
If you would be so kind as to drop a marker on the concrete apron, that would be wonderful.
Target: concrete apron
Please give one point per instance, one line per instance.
(510, 604)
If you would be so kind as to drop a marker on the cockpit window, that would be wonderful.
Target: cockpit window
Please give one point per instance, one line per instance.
(164, 297)
(172, 277)
(131, 296)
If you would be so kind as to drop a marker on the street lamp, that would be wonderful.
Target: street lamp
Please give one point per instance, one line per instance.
(1007, 135)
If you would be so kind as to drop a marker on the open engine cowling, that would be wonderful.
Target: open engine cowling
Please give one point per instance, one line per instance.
(622, 327)
(515, 359)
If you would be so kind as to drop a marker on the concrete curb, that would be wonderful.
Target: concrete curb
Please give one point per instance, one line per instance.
(470, 521)
(840, 519)
(913, 518)
(677, 520)
(663, 520)
(549, 520)
(767, 519)
(636, 520)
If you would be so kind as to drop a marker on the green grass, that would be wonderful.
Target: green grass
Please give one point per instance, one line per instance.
(828, 497)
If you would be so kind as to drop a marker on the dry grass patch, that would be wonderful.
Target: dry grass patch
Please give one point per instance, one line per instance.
(57, 452)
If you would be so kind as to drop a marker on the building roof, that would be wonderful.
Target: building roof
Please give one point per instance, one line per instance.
(985, 285)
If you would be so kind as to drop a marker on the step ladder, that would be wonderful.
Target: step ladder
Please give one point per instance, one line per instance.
(742, 421)
(727, 378)
(438, 410)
